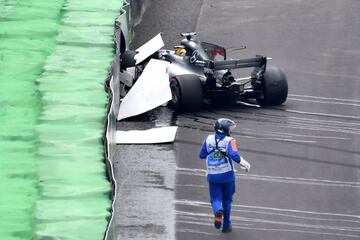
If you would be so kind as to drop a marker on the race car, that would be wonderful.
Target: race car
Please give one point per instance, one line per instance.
(199, 72)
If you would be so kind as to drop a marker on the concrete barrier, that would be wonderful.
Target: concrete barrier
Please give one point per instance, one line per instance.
(122, 38)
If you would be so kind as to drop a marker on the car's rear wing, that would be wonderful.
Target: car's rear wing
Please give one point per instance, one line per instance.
(258, 61)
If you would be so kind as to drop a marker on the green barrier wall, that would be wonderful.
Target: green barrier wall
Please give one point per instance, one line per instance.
(54, 58)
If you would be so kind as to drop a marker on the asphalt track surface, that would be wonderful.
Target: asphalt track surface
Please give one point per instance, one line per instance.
(304, 182)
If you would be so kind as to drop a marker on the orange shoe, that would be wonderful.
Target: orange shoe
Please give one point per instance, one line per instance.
(218, 219)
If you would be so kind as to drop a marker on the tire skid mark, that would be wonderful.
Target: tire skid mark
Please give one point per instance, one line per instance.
(286, 140)
(201, 121)
(321, 114)
(297, 157)
(204, 219)
(326, 98)
(333, 222)
(323, 128)
(294, 157)
(271, 222)
(283, 134)
(191, 185)
(235, 226)
(276, 179)
(286, 180)
(327, 121)
(327, 102)
(271, 209)
(295, 216)
(323, 125)
(242, 209)
(327, 74)
(188, 230)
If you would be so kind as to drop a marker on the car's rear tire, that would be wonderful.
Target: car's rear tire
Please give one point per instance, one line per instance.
(186, 93)
(274, 89)
(127, 59)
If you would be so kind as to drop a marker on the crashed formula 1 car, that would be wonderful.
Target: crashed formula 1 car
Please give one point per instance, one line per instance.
(199, 71)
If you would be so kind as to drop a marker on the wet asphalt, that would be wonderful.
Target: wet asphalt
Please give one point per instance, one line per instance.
(304, 182)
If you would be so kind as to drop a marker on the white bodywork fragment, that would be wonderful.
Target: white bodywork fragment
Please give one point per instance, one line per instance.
(150, 136)
(126, 77)
(149, 91)
(149, 48)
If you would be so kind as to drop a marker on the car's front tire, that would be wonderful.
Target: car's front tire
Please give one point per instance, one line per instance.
(186, 93)
(274, 88)
(127, 59)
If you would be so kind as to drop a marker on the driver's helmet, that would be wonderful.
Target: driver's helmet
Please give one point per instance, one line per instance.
(224, 126)
(180, 52)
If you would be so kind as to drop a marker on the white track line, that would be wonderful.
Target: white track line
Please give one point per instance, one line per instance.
(272, 213)
(199, 203)
(192, 216)
(265, 229)
(327, 102)
(323, 114)
(325, 121)
(306, 181)
(326, 98)
(270, 133)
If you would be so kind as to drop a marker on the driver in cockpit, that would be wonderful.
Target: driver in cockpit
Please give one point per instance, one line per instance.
(180, 51)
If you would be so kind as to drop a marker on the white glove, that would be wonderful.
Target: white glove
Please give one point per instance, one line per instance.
(244, 164)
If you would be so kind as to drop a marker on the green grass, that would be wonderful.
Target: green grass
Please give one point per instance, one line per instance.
(54, 58)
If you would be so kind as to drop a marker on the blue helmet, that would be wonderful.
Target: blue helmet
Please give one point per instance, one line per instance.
(224, 126)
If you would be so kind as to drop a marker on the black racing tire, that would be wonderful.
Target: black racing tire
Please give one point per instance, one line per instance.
(127, 59)
(187, 95)
(275, 88)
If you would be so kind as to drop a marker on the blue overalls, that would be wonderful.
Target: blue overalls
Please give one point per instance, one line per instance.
(219, 151)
